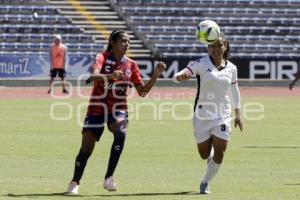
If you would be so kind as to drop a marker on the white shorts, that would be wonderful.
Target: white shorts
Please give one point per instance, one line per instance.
(205, 129)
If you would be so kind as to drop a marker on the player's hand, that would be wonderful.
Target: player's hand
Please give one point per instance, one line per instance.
(96, 71)
(159, 68)
(117, 75)
(95, 75)
(184, 77)
(291, 86)
(238, 122)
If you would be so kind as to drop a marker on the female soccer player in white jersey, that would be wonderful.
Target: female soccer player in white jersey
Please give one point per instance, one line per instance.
(217, 90)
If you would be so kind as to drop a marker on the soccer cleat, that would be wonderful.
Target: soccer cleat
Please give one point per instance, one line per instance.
(73, 188)
(109, 184)
(204, 188)
(49, 91)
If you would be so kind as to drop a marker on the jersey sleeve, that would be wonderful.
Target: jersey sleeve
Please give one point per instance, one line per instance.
(98, 62)
(234, 90)
(194, 67)
(235, 96)
(136, 77)
(234, 78)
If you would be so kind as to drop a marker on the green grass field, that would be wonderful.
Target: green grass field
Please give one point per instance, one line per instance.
(160, 160)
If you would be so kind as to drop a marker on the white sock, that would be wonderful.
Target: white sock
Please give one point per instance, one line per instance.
(212, 153)
(212, 170)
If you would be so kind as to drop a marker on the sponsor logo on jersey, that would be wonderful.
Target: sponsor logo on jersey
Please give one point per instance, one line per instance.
(112, 86)
(110, 62)
(107, 68)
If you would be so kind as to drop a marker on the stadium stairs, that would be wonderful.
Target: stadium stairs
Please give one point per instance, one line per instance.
(98, 18)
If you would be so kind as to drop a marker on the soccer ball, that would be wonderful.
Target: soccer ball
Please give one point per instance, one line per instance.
(208, 32)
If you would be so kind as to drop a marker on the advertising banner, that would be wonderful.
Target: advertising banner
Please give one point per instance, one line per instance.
(38, 66)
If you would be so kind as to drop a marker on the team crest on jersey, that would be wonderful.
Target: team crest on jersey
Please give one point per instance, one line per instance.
(128, 72)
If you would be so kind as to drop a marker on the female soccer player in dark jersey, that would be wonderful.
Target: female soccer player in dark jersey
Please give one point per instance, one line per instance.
(112, 73)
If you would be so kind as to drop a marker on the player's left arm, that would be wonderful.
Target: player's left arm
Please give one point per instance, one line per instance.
(51, 57)
(144, 89)
(237, 119)
(236, 100)
(65, 56)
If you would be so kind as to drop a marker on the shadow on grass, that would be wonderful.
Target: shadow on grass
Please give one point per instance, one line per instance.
(38, 195)
(293, 184)
(105, 195)
(151, 194)
(271, 147)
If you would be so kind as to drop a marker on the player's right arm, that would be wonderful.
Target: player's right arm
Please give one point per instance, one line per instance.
(96, 71)
(183, 75)
(186, 73)
(96, 76)
(292, 84)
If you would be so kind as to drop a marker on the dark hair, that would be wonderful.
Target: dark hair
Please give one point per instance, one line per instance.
(115, 34)
(227, 52)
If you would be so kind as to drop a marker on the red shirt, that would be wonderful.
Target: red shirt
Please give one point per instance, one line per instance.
(58, 56)
(106, 97)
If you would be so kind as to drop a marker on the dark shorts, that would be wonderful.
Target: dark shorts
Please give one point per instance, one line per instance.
(96, 123)
(60, 72)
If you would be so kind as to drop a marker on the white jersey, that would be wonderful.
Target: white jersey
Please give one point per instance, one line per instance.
(218, 89)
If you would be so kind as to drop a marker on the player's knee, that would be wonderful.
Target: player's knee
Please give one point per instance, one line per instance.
(204, 155)
(218, 157)
(87, 148)
(82, 157)
(120, 131)
(119, 139)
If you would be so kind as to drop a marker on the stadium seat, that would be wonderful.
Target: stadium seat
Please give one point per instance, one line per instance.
(20, 32)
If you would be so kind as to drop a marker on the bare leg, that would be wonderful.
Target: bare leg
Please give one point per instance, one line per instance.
(204, 148)
(50, 84)
(220, 147)
(63, 85)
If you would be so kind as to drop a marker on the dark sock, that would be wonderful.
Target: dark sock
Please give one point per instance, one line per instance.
(115, 152)
(80, 164)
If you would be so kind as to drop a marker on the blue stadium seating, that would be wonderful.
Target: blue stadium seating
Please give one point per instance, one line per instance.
(257, 3)
(255, 28)
(169, 26)
(22, 32)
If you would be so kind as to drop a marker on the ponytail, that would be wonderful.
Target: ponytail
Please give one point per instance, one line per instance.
(227, 52)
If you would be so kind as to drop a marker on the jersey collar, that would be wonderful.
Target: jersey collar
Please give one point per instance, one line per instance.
(123, 60)
(219, 68)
